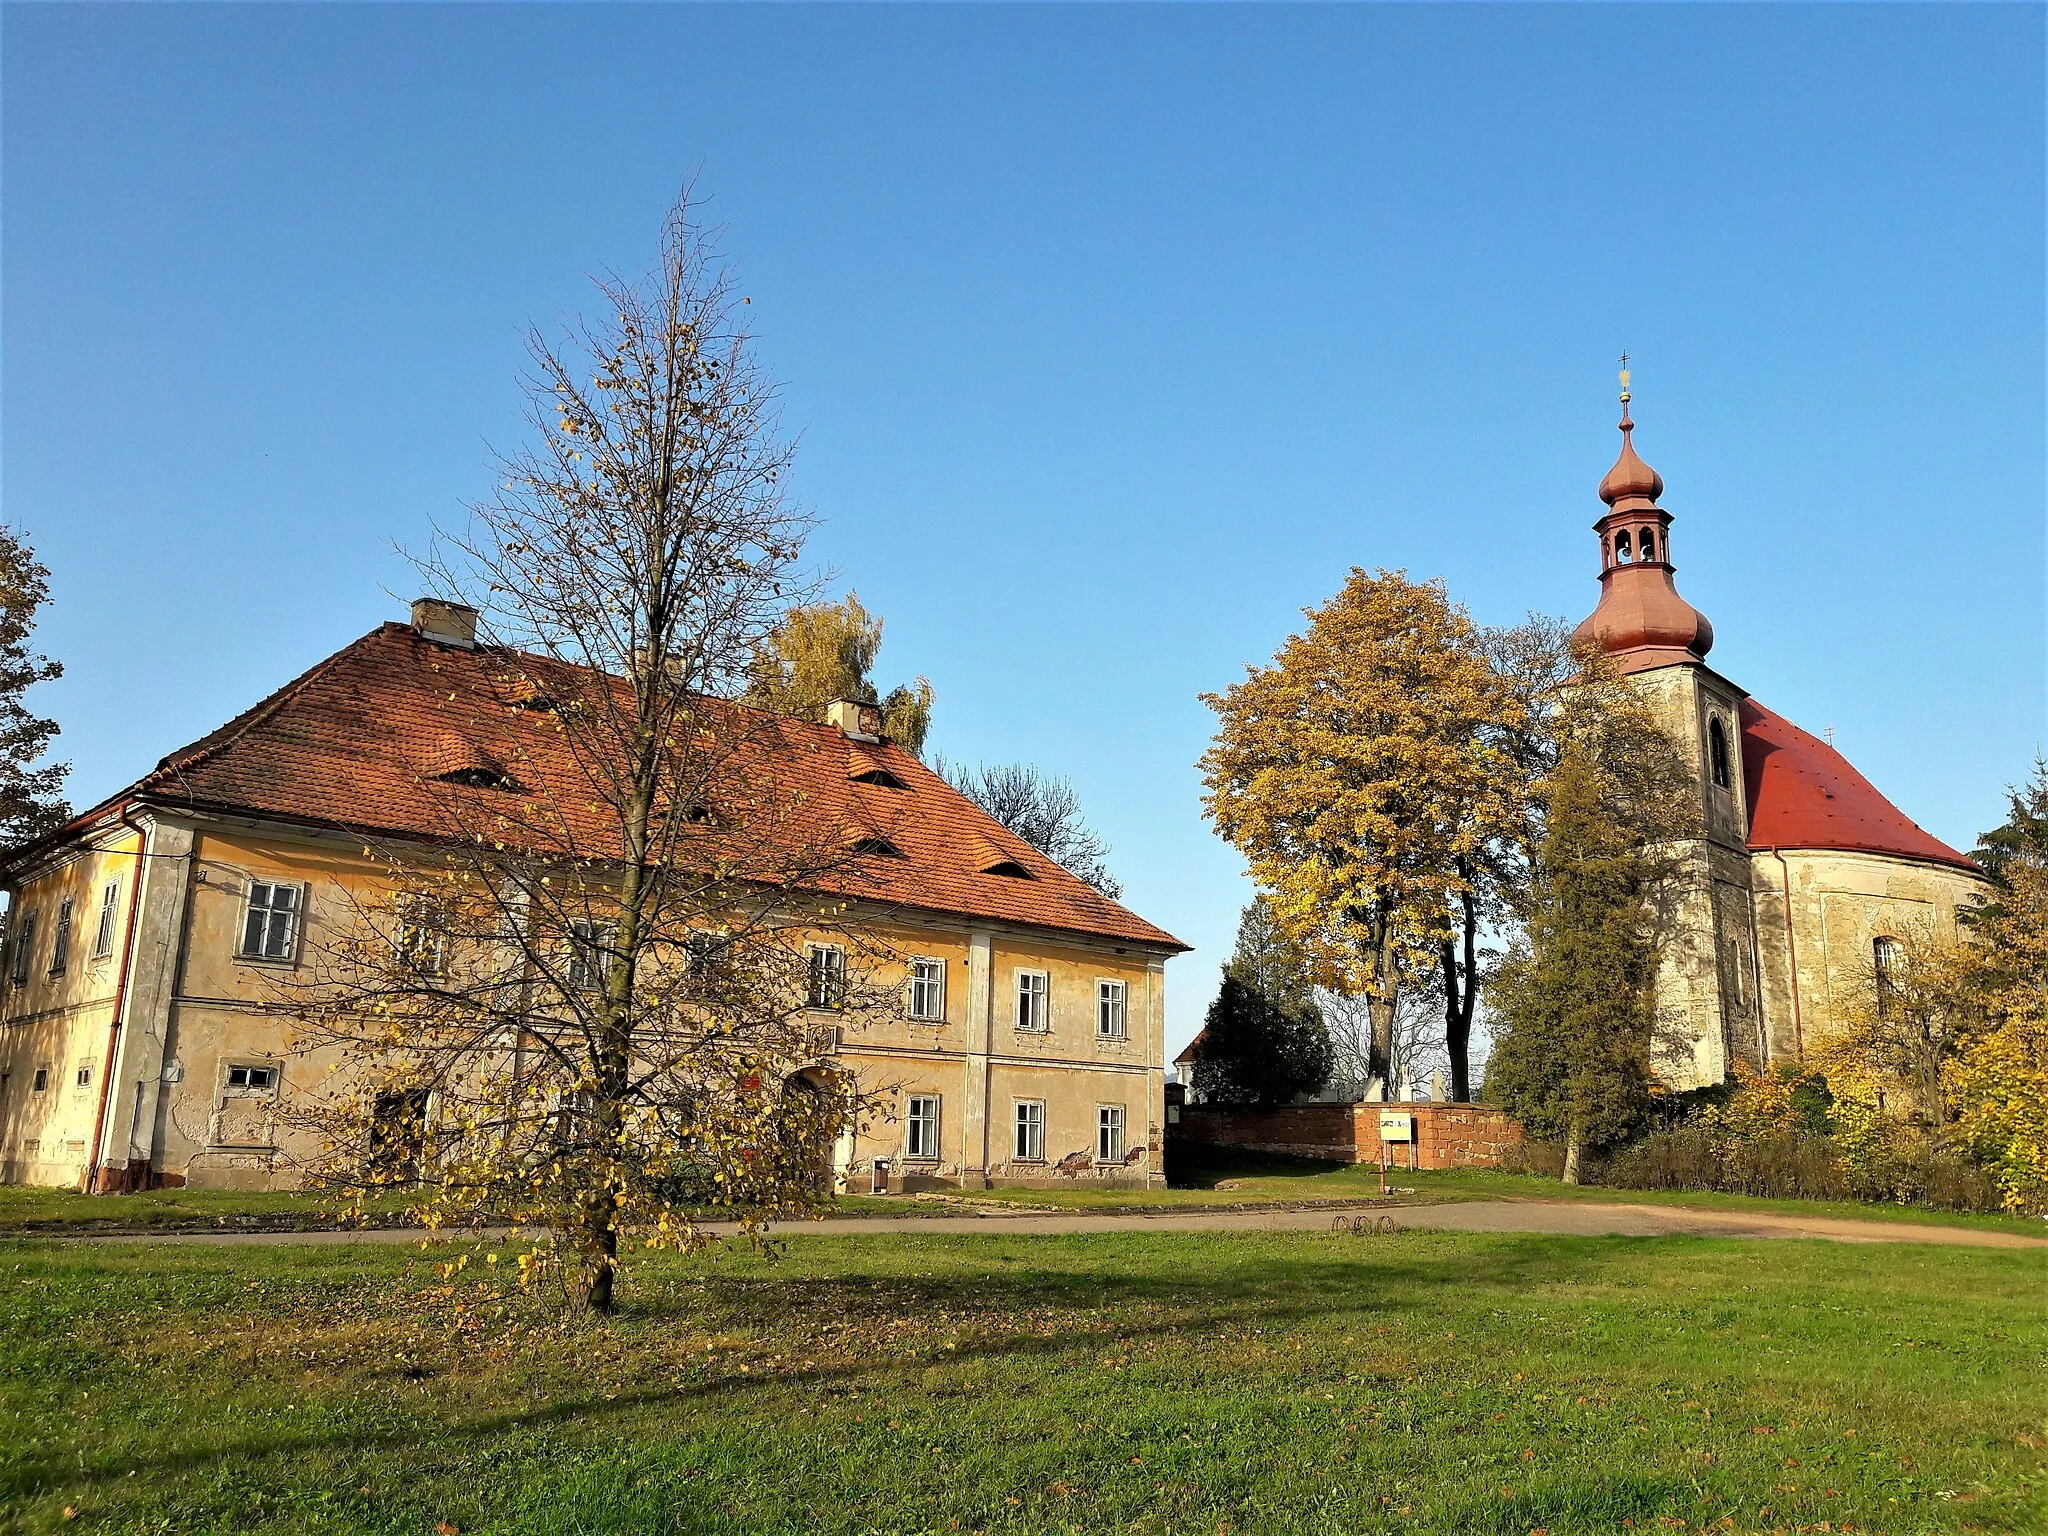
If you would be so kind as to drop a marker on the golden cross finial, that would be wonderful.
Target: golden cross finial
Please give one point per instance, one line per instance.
(1624, 378)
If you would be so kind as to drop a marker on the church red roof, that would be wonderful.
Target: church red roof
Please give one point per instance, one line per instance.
(398, 736)
(1804, 794)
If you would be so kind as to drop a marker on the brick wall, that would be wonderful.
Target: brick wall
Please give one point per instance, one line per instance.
(1446, 1135)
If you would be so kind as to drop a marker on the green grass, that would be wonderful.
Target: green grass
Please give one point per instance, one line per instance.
(1220, 1176)
(1211, 1177)
(1196, 1383)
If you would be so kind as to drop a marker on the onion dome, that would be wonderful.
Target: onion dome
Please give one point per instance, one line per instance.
(1631, 480)
(1640, 619)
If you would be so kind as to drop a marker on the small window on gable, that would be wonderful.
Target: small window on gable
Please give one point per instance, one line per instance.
(244, 1078)
(1717, 753)
(1622, 553)
(877, 847)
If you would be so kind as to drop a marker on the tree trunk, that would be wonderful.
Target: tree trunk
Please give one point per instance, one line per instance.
(1571, 1155)
(603, 1258)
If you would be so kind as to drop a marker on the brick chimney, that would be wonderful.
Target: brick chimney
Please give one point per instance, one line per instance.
(860, 720)
(443, 622)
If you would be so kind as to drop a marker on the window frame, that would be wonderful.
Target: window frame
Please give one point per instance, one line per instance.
(583, 970)
(295, 926)
(39, 1080)
(825, 977)
(1112, 1007)
(60, 938)
(416, 915)
(1720, 760)
(22, 959)
(245, 1089)
(1887, 960)
(1110, 1125)
(919, 1125)
(1027, 1130)
(1041, 1023)
(109, 920)
(934, 1011)
(81, 1073)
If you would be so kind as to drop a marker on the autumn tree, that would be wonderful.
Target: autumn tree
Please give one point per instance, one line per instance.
(2000, 1079)
(1574, 1002)
(1044, 810)
(1263, 1041)
(1358, 774)
(31, 799)
(582, 1009)
(822, 652)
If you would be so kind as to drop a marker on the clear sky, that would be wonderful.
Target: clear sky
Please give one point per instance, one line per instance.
(1115, 338)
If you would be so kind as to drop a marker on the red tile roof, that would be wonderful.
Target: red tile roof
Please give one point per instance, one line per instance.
(362, 741)
(1804, 794)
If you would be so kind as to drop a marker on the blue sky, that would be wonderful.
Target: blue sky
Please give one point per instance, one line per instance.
(1115, 337)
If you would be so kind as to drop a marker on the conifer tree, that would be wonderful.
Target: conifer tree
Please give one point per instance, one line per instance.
(1264, 1041)
(1574, 1002)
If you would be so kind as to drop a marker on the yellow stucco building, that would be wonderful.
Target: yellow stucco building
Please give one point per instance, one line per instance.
(146, 1039)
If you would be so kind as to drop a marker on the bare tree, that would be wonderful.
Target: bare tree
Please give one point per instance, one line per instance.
(1043, 810)
(584, 1009)
(31, 802)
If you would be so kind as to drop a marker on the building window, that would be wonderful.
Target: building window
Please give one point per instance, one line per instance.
(1648, 544)
(40, 1083)
(270, 929)
(1109, 1133)
(589, 949)
(704, 955)
(422, 938)
(928, 990)
(1030, 1130)
(60, 938)
(1033, 990)
(24, 947)
(254, 1081)
(1717, 752)
(1887, 965)
(1622, 555)
(1109, 1010)
(110, 907)
(921, 1126)
(827, 980)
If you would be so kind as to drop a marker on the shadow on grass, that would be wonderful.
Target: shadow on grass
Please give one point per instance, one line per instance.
(972, 1309)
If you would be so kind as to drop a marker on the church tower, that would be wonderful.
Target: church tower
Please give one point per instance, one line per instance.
(1708, 1013)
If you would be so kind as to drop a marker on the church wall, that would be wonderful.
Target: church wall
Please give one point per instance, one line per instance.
(1841, 903)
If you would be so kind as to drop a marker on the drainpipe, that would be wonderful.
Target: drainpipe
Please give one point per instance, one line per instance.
(1791, 955)
(99, 1125)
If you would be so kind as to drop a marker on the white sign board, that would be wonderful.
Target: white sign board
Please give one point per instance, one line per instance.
(1396, 1127)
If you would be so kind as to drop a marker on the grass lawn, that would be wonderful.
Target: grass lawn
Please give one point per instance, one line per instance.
(1181, 1382)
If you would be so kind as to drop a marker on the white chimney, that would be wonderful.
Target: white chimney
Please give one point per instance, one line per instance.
(860, 720)
(443, 622)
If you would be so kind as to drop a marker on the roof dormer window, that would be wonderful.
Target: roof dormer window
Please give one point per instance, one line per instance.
(879, 776)
(481, 777)
(878, 848)
(1009, 869)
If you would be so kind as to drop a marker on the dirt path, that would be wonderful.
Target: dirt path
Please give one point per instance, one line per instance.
(1572, 1218)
